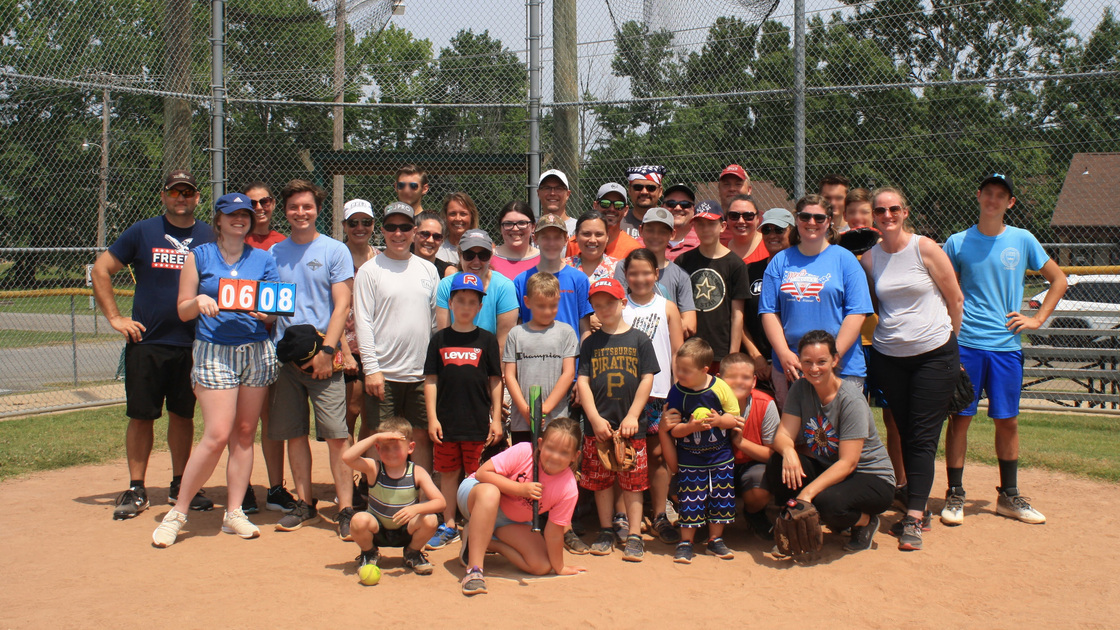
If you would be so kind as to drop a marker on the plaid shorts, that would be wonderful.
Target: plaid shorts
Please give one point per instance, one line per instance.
(595, 477)
(218, 366)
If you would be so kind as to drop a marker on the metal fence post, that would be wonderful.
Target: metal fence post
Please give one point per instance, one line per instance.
(534, 8)
(73, 340)
(798, 99)
(218, 99)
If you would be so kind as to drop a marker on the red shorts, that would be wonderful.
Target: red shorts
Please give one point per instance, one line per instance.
(595, 477)
(449, 457)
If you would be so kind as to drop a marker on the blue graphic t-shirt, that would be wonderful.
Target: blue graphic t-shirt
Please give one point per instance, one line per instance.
(711, 447)
(574, 305)
(157, 250)
(231, 328)
(992, 269)
(313, 267)
(816, 293)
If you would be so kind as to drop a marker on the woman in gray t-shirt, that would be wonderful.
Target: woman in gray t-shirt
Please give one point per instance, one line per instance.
(827, 451)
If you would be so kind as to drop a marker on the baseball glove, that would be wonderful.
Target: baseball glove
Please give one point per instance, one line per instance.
(798, 529)
(859, 240)
(617, 454)
(963, 394)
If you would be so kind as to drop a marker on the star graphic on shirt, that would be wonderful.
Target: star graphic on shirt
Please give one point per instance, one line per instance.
(704, 289)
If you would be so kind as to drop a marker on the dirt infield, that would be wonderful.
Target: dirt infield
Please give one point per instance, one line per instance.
(65, 562)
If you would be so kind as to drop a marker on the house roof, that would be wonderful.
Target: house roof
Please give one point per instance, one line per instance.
(766, 194)
(1090, 193)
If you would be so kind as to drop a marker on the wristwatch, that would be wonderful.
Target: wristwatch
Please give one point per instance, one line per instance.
(327, 349)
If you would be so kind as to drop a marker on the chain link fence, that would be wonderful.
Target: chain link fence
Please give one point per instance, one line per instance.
(99, 99)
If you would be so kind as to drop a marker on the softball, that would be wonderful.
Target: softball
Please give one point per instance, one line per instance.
(369, 574)
(701, 413)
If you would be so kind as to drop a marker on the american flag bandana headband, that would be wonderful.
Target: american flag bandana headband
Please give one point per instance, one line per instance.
(653, 173)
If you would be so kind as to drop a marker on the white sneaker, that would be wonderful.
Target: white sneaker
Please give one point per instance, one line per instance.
(168, 530)
(236, 522)
(1018, 507)
(953, 512)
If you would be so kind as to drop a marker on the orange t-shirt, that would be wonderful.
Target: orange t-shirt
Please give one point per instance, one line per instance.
(619, 249)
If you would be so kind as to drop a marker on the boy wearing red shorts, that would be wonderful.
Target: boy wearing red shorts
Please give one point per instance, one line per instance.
(463, 394)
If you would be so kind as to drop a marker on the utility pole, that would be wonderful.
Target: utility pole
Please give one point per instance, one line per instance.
(565, 82)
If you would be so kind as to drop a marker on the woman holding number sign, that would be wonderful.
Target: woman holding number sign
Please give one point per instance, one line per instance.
(234, 362)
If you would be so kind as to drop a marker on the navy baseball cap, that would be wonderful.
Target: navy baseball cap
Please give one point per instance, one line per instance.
(228, 204)
(467, 282)
(709, 209)
(998, 178)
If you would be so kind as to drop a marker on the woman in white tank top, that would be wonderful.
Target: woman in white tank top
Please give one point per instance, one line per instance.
(914, 349)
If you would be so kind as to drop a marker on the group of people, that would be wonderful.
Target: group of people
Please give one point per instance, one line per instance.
(728, 352)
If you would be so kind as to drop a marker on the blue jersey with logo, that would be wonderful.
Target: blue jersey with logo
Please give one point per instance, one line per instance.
(157, 250)
(574, 286)
(992, 269)
(712, 446)
(231, 328)
(816, 293)
(313, 267)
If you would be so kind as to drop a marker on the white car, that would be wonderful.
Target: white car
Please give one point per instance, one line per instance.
(1090, 302)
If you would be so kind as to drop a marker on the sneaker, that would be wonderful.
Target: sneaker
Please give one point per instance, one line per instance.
(168, 530)
(373, 556)
(464, 551)
(683, 554)
(199, 503)
(927, 524)
(235, 522)
(343, 521)
(953, 512)
(574, 544)
(361, 496)
(862, 536)
(634, 550)
(130, 503)
(473, 584)
(279, 499)
(1014, 505)
(910, 534)
(621, 528)
(604, 544)
(719, 549)
(249, 503)
(417, 561)
(665, 530)
(761, 525)
(301, 514)
(444, 536)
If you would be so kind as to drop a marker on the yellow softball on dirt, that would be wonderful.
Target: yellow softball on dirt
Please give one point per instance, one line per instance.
(369, 574)
(701, 413)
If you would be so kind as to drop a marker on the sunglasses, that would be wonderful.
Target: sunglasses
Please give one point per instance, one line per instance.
(262, 202)
(398, 227)
(772, 229)
(521, 225)
(641, 187)
(607, 203)
(425, 235)
(356, 222)
(684, 205)
(470, 254)
(880, 211)
(412, 185)
(807, 217)
(735, 216)
(185, 194)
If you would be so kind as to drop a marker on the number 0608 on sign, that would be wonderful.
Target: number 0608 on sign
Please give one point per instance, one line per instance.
(253, 295)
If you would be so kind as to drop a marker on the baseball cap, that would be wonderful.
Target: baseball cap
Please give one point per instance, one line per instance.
(550, 221)
(610, 286)
(610, 187)
(356, 206)
(998, 178)
(709, 209)
(476, 238)
(659, 215)
(558, 174)
(466, 282)
(734, 169)
(399, 207)
(682, 187)
(179, 177)
(228, 204)
(777, 216)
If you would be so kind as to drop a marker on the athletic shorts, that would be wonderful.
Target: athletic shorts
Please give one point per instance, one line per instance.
(386, 537)
(450, 457)
(154, 372)
(218, 366)
(748, 476)
(289, 415)
(652, 412)
(595, 477)
(999, 375)
(401, 399)
(871, 387)
(462, 498)
(706, 495)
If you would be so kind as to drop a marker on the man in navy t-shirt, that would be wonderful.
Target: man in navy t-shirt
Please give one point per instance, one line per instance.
(158, 351)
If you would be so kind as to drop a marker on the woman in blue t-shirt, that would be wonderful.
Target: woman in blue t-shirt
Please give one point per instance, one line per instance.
(810, 286)
(234, 363)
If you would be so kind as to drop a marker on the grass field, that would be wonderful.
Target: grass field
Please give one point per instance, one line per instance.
(30, 338)
(58, 304)
(1078, 444)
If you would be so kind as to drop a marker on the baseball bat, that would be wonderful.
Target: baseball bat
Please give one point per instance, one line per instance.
(535, 420)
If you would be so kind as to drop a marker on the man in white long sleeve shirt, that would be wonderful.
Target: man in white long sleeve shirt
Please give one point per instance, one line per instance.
(394, 317)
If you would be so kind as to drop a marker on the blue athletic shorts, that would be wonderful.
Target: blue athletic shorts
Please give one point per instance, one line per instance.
(999, 375)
